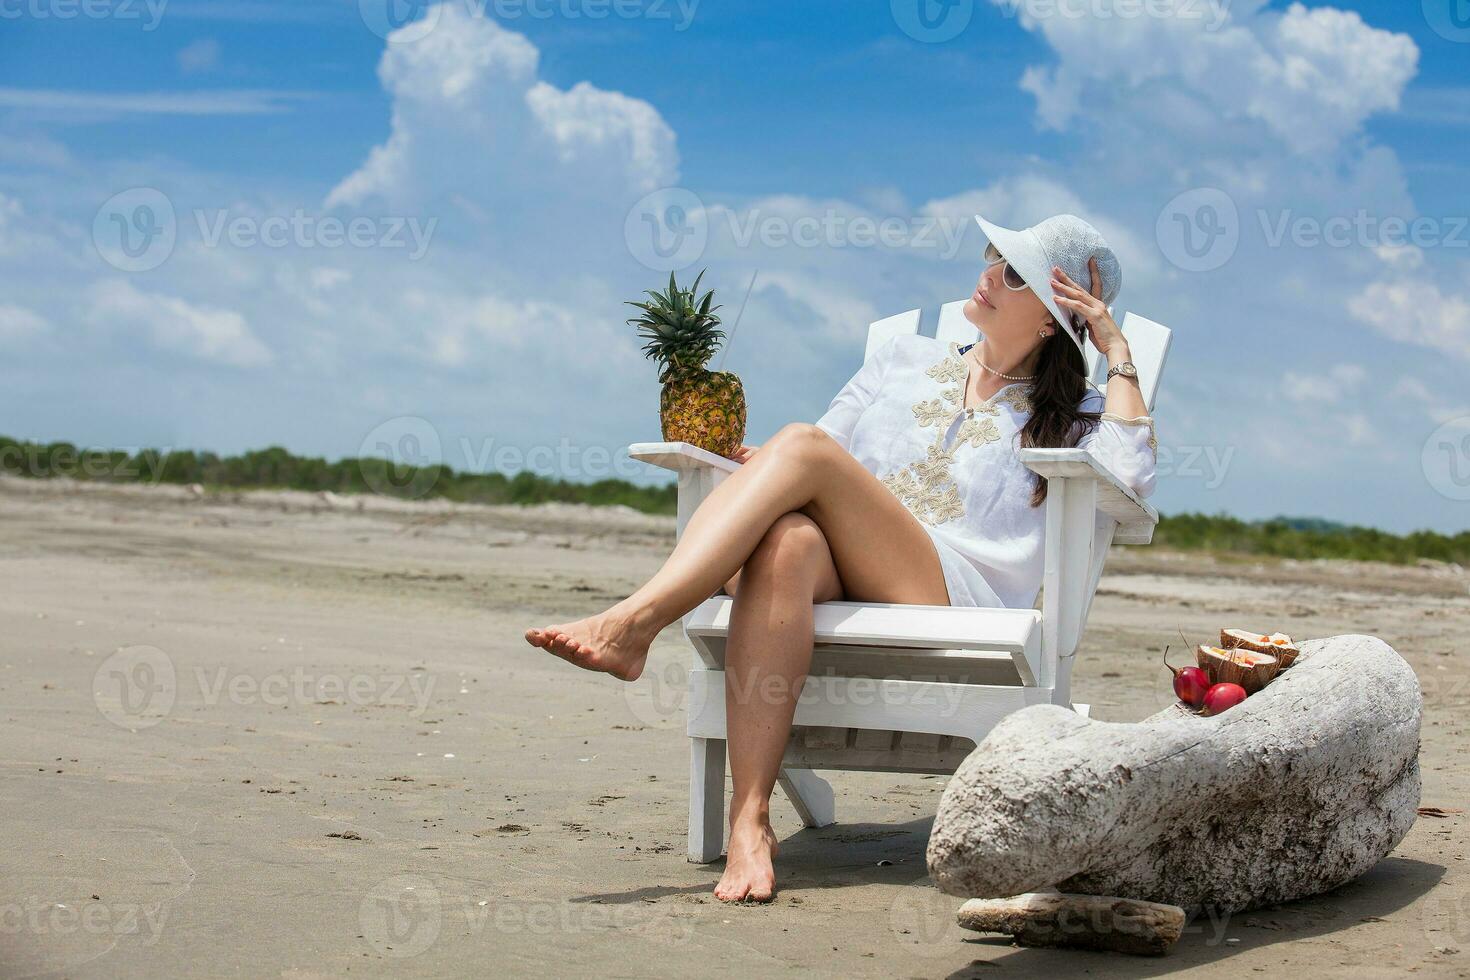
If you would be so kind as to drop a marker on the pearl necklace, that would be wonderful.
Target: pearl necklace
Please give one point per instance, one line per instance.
(991, 370)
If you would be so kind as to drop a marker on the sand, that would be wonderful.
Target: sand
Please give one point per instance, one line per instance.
(274, 734)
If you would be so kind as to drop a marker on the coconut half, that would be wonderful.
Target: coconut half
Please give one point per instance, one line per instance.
(1251, 669)
(1278, 645)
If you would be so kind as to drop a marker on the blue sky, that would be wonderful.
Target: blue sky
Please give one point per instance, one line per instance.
(1306, 377)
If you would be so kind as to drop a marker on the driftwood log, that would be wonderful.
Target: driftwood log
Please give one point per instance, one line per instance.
(1078, 922)
(1300, 789)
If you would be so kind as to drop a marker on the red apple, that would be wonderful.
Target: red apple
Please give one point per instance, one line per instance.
(1222, 697)
(1190, 683)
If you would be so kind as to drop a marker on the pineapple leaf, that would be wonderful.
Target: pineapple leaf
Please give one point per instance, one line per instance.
(679, 326)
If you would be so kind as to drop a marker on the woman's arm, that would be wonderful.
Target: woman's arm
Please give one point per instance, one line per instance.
(1124, 398)
(1126, 446)
(1124, 440)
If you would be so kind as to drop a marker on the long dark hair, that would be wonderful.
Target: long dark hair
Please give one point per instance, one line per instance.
(1060, 385)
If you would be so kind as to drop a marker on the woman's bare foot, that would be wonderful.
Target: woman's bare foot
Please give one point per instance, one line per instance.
(749, 875)
(610, 642)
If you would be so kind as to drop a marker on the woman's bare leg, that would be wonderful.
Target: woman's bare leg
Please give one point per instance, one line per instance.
(767, 656)
(880, 550)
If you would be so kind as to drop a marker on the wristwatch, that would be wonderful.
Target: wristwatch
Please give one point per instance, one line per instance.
(1125, 368)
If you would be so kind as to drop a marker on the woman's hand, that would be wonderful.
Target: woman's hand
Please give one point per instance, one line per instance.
(743, 454)
(1106, 336)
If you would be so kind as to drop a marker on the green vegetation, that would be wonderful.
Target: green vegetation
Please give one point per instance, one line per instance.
(276, 468)
(1306, 538)
(1282, 537)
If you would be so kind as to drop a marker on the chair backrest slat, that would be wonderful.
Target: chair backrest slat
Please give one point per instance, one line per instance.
(1148, 342)
(1148, 345)
(893, 326)
(953, 327)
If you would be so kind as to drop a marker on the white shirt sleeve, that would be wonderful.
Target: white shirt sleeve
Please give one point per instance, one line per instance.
(855, 396)
(1127, 447)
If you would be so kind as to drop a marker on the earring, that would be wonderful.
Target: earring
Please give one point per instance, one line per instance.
(1042, 334)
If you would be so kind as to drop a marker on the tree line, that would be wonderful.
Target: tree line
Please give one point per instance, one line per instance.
(277, 468)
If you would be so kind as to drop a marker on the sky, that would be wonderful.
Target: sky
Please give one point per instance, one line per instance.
(367, 227)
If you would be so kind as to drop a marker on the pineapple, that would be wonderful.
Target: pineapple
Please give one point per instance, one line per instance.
(697, 406)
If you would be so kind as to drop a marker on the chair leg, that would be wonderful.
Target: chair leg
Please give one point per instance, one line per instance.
(706, 799)
(811, 795)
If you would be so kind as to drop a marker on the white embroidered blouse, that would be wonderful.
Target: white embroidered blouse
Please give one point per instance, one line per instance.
(903, 417)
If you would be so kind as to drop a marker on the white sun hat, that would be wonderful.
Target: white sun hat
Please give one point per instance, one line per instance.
(1065, 240)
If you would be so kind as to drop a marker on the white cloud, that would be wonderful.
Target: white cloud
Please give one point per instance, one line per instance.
(1400, 256)
(471, 117)
(326, 279)
(1312, 76)
(1338, 382)
(19, 323)
(590, 125)
(200, 56)
(1416, 311)
(1359, 429)
(1435, 407)
(175, 325)
(1022, 200)
(33, 151)
(842, 313)
(225, 102)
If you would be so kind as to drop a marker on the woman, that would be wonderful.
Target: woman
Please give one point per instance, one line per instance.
(907, 490)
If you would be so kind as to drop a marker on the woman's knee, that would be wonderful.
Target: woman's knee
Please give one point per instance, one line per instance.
(793, 544)
(802, 438)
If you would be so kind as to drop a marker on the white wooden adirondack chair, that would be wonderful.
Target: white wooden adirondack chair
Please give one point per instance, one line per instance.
(910, 688)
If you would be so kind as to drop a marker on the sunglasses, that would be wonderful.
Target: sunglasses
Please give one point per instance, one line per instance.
(1010, 276)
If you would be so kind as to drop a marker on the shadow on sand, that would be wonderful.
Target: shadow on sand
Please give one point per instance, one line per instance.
(848, 855)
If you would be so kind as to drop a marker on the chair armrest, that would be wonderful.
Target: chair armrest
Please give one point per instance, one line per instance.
(680, 457)
(699, 472)
(1135, 517)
